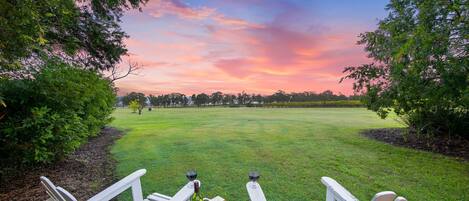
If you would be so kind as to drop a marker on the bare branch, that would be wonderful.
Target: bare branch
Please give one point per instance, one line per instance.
(116, 74)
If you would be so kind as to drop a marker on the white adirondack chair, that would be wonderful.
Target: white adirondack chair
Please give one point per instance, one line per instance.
(132, 181)
(335, 191)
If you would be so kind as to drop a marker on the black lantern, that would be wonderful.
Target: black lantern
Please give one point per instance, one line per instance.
(191, 175)
(254, 176)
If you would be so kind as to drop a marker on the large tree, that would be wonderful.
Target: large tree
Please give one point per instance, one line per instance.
(82, 32)
(216, 98)
(202, 99)
(139, 97)
(421, 65)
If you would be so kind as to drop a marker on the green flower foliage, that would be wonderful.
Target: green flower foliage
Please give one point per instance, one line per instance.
(421, 68)
(51, 114)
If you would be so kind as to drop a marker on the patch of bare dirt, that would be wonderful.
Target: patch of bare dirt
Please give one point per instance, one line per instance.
(455, 146)
(83, 173)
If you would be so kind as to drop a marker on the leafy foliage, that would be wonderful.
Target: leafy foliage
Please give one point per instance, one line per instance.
(421, 68)
(134, 105)
(52, 105)
(51, 114)
(84, 32)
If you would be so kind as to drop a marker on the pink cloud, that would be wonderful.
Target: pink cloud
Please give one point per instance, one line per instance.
(277, 50)
(239, 68)
(160, 8)
(229, 21)
(174, 7)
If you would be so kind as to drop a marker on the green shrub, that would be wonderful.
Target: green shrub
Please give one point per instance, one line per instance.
(51, 114)
(339, 103)
(133, 105)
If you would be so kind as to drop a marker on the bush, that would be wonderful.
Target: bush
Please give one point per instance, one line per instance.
(339, 103)
(51, 114)
(134, 105)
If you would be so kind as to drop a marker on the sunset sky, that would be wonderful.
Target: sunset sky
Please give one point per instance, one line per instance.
(251, 45)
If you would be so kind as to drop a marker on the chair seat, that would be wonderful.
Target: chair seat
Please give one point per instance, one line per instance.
(158, 197)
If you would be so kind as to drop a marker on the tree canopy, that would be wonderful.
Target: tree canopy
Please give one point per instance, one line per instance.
(84, 32)
(421, 66)
(134, 96)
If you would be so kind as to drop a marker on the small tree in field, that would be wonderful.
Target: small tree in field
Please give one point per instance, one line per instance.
(134, 106)
(421, 66)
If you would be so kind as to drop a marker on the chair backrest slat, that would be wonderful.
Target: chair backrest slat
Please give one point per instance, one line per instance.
(57, 193)
(51, 189)
(65, 194)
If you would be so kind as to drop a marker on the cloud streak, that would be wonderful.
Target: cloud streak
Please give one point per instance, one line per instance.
(160, 8)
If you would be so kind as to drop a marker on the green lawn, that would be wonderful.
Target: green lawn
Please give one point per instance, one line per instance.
(291, 148)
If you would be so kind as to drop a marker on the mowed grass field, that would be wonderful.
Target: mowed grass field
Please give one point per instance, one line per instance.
(291, 148)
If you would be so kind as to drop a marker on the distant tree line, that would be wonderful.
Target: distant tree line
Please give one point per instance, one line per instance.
(221, 99)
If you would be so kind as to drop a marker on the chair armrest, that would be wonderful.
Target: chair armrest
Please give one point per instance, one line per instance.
(384, 196)
(131, 181)
(186, 192)
(335, 191)
(255, 191)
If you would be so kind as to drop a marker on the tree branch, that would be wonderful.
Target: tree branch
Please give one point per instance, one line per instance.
(116, 74)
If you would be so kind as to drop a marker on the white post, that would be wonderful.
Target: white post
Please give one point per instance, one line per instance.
(137, 194)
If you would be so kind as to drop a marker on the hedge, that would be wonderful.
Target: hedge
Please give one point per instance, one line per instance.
(53, 113)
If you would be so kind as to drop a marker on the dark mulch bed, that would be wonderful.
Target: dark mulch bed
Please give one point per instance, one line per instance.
(457, 147)
(83, 173)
